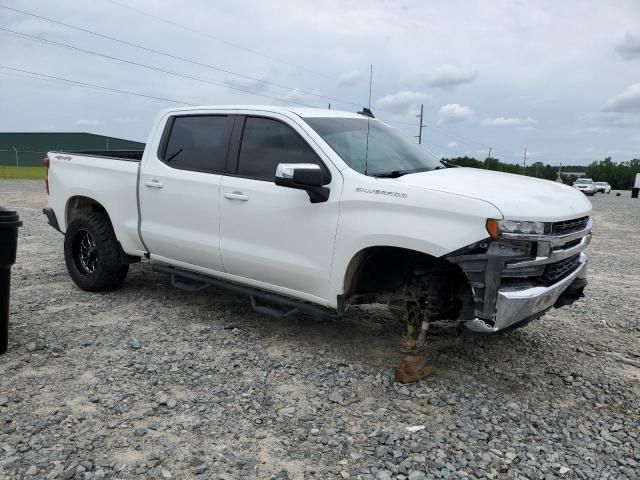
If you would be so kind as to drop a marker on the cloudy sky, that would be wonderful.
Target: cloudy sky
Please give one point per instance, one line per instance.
(561, 78)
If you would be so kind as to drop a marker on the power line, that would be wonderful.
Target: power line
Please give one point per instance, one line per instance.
(433, 126)
(436, 129)
(218, 39)
(397, 122)
(75, 83)
(92, 85)
(21, 75)
(71, 47)
(176, 57)
(151, 67)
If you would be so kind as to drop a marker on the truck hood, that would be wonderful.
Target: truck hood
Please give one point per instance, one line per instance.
(516, 196)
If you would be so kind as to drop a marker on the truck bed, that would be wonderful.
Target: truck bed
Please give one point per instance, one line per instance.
(108, 177)
(131, 155)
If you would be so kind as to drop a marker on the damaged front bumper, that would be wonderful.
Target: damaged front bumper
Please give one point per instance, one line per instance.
(518, 277)
(520, 304)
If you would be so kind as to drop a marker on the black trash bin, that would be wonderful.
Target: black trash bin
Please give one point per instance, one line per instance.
(9, 223)
(634, 192)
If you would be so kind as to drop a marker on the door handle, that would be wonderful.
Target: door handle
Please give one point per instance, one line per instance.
(154, 184)
(236, 196)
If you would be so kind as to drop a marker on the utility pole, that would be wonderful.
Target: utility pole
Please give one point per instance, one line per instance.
(421, 116)
(17, 161)
(559, 177)
(524, 161)
(488, 158)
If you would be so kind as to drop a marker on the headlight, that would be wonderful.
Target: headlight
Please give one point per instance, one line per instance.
(497, 227)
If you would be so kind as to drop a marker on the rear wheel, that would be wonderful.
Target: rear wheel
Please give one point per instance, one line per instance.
(92, 253)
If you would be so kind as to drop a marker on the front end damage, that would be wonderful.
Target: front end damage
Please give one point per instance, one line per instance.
(490, 286)
(518, 277)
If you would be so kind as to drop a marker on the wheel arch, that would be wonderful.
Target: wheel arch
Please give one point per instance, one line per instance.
(78, 204)
(383, 268)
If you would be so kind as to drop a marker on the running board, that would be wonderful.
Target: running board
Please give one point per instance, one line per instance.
(195, 282)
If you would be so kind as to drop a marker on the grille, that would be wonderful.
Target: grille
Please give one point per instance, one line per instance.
(569, 226)
(572, 243)
(558, 270)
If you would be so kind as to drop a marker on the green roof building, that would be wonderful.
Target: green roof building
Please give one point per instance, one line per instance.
(27, 149)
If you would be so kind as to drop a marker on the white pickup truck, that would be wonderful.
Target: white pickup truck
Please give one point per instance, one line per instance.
(316, 210)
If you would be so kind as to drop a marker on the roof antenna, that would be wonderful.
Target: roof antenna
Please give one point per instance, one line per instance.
(370, 83)
(366, 111)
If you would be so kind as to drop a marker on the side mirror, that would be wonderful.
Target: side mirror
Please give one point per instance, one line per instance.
(303, 176)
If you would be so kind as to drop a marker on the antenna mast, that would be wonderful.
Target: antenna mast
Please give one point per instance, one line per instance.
(366, 153)
(370, 83)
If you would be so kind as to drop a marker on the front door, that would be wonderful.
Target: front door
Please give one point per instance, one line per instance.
(274, 234)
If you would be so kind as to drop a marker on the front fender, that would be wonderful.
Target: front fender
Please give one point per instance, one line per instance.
(430, 222)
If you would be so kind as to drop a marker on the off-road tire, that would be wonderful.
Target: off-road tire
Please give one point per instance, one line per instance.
(107, 270)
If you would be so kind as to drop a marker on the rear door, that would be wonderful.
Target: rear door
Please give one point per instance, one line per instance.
(271, 234)
(180, 191)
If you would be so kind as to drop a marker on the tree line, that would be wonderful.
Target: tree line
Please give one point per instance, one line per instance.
(619, 175)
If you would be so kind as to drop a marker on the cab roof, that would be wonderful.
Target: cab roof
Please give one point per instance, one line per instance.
(304, 112)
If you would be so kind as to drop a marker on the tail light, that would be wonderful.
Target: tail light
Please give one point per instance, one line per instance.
(46, 164)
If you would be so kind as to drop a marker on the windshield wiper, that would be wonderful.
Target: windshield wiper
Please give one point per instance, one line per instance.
(398, 173)
(446, 165)
(393, 174)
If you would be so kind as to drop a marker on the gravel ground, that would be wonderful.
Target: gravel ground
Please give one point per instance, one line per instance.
(154, 382)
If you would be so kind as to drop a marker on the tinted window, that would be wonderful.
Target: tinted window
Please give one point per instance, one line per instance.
(199, 143)
(266, 143)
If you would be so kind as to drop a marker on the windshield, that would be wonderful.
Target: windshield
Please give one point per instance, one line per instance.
(601, 184)
(368, 146)
(584, 180)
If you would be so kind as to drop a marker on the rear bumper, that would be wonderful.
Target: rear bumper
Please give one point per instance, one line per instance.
(51, 217)
(519, 304)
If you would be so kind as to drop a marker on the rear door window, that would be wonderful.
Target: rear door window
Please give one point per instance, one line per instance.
(266, 143)
(199, 142)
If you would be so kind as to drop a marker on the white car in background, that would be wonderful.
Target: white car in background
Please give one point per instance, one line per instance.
(603, 187)
(586, 186)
